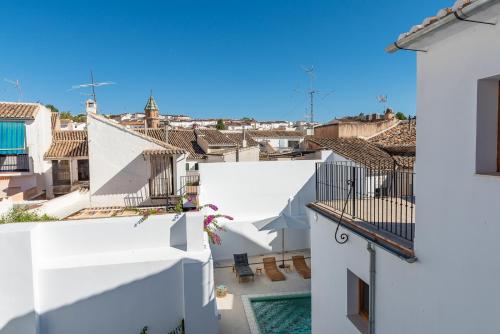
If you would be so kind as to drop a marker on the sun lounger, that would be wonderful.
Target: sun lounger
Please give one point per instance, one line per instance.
(301, 266)
(272, 270)
(241, 266)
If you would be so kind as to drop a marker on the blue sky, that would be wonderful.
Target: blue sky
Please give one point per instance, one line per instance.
(212, 58)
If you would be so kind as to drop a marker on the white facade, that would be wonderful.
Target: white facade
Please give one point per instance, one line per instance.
(110, 275)
(251, 191)
(119, 173)
(38, 140)
(448, 289)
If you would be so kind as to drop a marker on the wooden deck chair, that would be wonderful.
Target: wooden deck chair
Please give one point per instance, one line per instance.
(301, 266)
(272, 270)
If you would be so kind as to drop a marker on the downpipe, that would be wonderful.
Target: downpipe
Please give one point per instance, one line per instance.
(371, 314)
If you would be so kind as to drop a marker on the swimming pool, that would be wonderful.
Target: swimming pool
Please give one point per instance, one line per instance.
(279, 313)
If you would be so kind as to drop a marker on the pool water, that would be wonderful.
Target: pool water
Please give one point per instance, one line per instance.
(280, 315)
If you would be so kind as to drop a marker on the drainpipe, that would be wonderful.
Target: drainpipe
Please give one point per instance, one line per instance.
(371, 314)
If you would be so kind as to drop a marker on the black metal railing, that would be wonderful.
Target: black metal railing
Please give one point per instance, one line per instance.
(380, 196)
(14, 163)
(190, 184)
(160, 187)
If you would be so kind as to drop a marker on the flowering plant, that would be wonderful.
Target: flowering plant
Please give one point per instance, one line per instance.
(212, 226)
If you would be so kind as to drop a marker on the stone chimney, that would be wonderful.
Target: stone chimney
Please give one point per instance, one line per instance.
(389, 114)
(90, 106)
(151, 110)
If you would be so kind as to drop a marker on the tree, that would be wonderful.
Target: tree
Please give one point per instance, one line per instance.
(80, 118)
(52, 108)
(65, 115)
(220, 125)
(400, 116)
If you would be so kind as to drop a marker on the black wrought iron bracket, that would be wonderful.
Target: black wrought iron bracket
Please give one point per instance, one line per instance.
(408, 49)
(343, 238)
(463, 17)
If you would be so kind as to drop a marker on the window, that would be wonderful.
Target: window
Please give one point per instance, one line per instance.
(83, 170)
(488, 126)
(364, 299)
(358, 302)
(60, 172)
(161, 183)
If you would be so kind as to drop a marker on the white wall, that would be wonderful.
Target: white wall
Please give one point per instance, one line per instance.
(38, 140)
(109, 275)
(119, 174)
(251, 191)
(65, 205)
(449, 288)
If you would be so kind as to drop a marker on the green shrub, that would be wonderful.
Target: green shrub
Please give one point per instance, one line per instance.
(20, 215)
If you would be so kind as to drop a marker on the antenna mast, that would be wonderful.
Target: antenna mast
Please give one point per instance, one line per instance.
(16, 84)
(93, 86)
(310, 72)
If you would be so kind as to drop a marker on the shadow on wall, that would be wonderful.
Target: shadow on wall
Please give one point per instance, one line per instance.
(244, 237)
(132, 182)
(153, 301)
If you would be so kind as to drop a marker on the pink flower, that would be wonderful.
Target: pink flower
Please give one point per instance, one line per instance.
(227, 217)
(212, 206)
(208, 220)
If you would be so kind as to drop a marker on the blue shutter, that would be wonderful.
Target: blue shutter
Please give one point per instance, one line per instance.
(12, 137)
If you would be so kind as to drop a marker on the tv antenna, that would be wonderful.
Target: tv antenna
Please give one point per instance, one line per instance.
(92, 85)
(309, 70)
(16, 84)
(382, 99)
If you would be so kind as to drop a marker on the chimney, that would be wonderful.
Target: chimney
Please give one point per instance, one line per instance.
(90, 106)
(244, 141)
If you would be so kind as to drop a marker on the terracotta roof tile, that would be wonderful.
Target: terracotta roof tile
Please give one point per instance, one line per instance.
(68, 144)
(18, 110)
(184, 139)
(237, 138)
(275, 133)
(401, 138)
(357, 150)
(215, 137)
(55, 121)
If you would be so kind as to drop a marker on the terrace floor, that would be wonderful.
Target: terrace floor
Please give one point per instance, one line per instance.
(233, 319)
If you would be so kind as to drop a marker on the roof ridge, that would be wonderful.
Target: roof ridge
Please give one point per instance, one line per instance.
(135, 133)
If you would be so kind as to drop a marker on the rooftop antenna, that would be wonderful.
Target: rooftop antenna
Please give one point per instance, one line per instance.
(310, 72)
(382, 99)
(92, 85)
(16, 84)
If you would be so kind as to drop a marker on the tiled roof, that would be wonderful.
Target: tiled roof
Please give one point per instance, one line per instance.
(151, 104)
(137, 133)
(405, 161)
(400, 138)
(429, 23)
(69, 135)
(237, 137)
(215, 137)
(357, 150)
(184, 139)
(275, 134)
(68, 144)
(18, 110)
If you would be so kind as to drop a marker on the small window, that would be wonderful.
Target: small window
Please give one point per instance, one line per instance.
(358, 302)
(196, 166)
(364, 299)
(187, 166)
(488, 126)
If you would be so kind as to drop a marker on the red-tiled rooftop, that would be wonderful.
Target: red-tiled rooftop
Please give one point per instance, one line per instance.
(18, 110)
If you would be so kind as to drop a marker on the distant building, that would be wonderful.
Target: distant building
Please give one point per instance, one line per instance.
(151, 111)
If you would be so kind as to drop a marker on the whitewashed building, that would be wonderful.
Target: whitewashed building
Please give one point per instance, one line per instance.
(25, 135)
(434, 272)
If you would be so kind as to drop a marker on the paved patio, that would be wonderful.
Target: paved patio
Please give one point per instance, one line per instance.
(233, 319)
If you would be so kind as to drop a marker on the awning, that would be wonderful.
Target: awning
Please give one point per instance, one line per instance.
(12, 137)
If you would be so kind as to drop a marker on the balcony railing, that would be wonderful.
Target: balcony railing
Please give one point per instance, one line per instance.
(382, 198)
(14, 163)
(190, 184)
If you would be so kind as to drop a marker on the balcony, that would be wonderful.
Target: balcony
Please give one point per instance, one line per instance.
(375, 203)
(14, 163)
